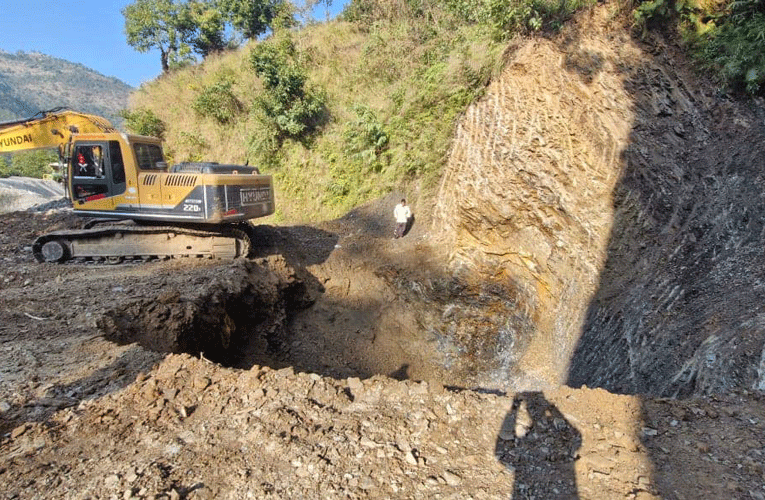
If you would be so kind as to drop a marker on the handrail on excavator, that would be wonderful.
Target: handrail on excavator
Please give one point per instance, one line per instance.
(40, 115)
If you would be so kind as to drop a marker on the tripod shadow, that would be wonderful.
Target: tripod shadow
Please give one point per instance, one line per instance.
(540, 446)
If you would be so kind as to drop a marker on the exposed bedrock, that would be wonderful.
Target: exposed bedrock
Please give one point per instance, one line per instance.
(626, 205)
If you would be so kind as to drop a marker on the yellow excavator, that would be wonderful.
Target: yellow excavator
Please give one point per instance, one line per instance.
(138, 205)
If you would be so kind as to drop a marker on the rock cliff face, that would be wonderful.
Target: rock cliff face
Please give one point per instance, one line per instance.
(678, 308)
(625, 204)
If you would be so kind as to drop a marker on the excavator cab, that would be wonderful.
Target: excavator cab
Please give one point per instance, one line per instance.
(98, 170)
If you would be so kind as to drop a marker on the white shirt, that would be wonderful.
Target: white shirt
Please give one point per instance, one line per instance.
(402, 213)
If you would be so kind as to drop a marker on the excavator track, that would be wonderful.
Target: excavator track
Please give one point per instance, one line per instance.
(116, 243)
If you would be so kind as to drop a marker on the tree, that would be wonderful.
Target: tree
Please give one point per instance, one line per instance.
(162, 24)
(209, 25)
(179, 27)
(306, 7)
(28, 163)
(253, 17)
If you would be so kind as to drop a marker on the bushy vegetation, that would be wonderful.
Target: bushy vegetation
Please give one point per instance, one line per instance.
(143, 121)
(736, 48)
(727, 37)
(504, 18)
(28, 163)
(365, 139)
(218, 101)
(287, 107)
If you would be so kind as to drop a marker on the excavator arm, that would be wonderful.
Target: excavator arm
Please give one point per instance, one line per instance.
(49, 129)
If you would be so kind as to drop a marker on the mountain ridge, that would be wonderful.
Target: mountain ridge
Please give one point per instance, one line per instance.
(33, 81)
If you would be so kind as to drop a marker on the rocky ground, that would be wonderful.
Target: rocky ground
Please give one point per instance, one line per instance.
(90, 411)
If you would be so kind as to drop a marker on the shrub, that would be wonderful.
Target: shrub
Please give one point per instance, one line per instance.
(508, 17)
(264, 143)
(504, 18)
(289, 108)
(195, 145)
(735, 48)
(726, 38)
(217, 101)
(143, 121)
(365, 138)
(663, 12)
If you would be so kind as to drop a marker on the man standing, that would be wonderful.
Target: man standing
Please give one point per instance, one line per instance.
(402, 214)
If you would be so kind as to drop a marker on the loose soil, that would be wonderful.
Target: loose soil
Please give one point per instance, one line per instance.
(269, 402)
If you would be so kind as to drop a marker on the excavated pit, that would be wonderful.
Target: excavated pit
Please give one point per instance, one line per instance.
(388, 320)
(233, 314)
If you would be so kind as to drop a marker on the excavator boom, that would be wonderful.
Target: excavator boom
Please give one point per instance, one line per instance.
(49, 129)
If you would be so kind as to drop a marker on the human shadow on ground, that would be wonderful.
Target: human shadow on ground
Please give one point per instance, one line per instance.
(409, 225)
(539, 446)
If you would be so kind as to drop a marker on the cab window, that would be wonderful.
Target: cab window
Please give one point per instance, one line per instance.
(88, 161)
(149, 157)
(118, 167)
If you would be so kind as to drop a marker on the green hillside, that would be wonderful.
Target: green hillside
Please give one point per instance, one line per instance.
(343, 112)
(31, 82)
(385, 96)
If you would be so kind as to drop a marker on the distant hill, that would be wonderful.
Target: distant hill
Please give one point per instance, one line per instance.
(31, 82)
